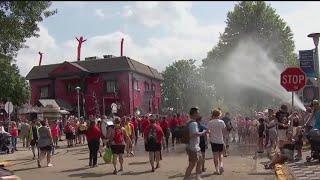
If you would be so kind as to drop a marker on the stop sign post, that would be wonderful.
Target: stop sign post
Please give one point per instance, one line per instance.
(293, 79)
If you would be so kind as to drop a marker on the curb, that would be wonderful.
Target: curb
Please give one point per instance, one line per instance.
(283, 173)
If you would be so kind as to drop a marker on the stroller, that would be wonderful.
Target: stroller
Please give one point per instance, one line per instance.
(314, 139)
(5, 143)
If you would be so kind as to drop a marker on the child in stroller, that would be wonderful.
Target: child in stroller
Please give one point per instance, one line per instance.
(5, 142)
(314, 139)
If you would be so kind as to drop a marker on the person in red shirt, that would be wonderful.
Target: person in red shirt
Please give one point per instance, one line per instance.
(174, 128)
(145, 123)
(164, 124)
(93, 135)
(134, 122)
(14, 135)
(153, 136)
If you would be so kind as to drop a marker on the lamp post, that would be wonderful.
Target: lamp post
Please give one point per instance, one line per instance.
(177, 103)
(78, 92)
(315, 38)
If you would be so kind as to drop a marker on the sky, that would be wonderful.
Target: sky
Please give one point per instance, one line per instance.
(155, 33)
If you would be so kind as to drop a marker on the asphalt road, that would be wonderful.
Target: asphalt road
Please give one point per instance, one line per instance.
(72, 163)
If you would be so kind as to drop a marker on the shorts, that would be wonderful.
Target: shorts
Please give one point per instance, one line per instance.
(282, 134)
(216, 147)
(117, 149)
(260, 134)
(70, 136)
(46, 148)
(203, 147)
(81, 132)
(152, 147)
(194, 156)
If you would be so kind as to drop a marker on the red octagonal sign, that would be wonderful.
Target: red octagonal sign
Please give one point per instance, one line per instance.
(293, 79)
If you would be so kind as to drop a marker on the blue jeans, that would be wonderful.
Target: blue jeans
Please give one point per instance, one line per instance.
(14, 142)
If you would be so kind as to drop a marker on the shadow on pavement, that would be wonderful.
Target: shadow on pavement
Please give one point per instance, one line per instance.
(137, 173)
(89, 175)
(138, 163)
(73, 170)
(25, 169)
(22, 159)
(261, 173)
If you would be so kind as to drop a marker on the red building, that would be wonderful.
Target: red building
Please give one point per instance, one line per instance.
(103, 81)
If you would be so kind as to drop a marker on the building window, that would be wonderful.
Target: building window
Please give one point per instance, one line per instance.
(136, 85)
(111, 86)
(71, 88)
(153, 87)
(147, 87)
(44, 92)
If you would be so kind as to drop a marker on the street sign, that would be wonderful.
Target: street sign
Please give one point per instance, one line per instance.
(8, 107)
(307, 62)
(114, 107)
(293, 79)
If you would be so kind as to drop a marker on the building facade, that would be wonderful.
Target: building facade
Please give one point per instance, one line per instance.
(104, 81)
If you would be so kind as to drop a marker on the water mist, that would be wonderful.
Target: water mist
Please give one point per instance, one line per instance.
(249, 66)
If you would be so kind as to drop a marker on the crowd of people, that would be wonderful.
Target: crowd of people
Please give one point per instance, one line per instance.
(276, 131)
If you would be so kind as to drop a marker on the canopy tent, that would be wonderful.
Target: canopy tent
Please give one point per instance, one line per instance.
(64, 112)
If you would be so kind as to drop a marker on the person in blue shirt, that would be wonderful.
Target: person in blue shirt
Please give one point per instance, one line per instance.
(203, 141)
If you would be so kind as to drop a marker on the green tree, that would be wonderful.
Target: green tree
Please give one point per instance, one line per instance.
(19, 21)
(184, 86)
(255, 20)
(13, 86)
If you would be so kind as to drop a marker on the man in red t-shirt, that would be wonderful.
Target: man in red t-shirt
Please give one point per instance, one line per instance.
(134, 122)
(153, 136)
(145, 123)
(164, 124)
(174, 128)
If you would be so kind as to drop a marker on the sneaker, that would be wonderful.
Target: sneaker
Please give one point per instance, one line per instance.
(115, 172)
(50, 165)
(221, 170)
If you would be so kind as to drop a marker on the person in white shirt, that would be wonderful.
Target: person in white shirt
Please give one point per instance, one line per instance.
(216, 129)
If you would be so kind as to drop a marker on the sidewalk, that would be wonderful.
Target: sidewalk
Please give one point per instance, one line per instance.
(302, 170)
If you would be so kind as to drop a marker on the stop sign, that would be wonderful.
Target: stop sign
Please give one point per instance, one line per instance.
(293, 79)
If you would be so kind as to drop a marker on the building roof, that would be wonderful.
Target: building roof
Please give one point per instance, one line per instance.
(99, 66)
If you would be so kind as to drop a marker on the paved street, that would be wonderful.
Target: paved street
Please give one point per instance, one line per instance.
(304, 170)
(72, 163)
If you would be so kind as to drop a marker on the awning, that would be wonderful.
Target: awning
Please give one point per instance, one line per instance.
(64, 105)
(64, 112)
(56, 103)
(45, 102)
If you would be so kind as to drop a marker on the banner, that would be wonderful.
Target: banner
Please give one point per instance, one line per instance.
(307, 60)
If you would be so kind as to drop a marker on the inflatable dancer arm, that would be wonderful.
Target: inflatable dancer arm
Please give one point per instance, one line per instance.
(77, 39)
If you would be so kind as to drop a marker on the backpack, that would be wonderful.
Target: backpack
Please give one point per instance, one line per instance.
(118, 136)
(152, 136)
(229, 126)
(185, 133)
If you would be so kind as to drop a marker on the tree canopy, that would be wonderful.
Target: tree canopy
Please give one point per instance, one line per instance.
(19, 21)
(13, 86)
(259, 21)
(184, 86)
